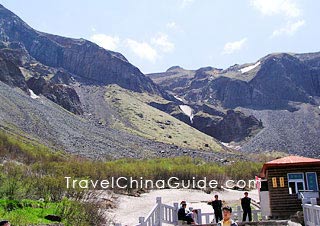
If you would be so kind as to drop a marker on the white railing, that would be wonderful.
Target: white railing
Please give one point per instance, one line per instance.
(311, 213)
(204, 218)
(159, 214)
(162, 213)
(170, 214)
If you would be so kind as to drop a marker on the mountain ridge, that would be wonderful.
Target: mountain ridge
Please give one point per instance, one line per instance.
(90, 61)
(279, 85)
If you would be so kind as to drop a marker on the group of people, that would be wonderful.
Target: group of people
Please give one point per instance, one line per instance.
(222, 213)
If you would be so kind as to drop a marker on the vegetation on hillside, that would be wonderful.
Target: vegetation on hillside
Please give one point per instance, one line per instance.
(31, 172)
(138, 117)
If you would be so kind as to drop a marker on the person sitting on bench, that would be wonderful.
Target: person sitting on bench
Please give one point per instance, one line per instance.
(183, 214)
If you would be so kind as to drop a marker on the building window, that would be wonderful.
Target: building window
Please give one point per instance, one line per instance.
(312, 182)
(296, 182)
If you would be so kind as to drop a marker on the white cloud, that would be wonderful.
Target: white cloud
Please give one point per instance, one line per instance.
(186, 3)
(171, 25)
(161, 41)
(106, 41)
(273, 7)
(231, 47)
(289, 29)
(142, 50)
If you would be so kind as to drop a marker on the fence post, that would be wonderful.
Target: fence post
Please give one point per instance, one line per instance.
(199, 216)
(255, 215)
(305, 210)
(175, 213)
(141, 221)
(160, 212)
(314, 210)
(239, 213)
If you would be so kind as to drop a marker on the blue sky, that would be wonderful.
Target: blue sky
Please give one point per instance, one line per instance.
(155, 35)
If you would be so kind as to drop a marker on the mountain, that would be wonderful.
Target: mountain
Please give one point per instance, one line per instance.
(271, 83)
(174, 77)
(224, 124)
(72, 95)
(76, 56)
(276, 100)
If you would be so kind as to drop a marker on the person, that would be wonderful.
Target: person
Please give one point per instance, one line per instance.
(194, 216)
(246, 207)
(183, 215)
(227, 221)
(4, 223)
(216, 205)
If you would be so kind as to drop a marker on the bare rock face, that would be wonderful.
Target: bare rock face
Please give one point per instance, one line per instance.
(278, 80)
(11, 75)
(234, 126)
(281, 79)
(226, 127)
(61, 94)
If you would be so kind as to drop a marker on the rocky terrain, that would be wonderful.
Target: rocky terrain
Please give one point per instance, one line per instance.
(295, 132)
(44, 121)
(271, 104)
(73, 95)
(271, 83)
(53, 91)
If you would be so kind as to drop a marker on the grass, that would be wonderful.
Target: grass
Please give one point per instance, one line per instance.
(27, 211)
(138, 117)
(26, 150)
(51, 167)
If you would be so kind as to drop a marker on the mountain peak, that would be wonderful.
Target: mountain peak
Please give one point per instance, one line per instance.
(174, 68)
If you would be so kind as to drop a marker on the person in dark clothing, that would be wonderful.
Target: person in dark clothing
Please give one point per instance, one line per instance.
(183, 215)
(246, 207)
(217, 207)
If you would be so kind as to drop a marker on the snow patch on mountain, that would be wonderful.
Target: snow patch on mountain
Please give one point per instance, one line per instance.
(178, 98)
(187, 110)
(249, 68)
(33, 95)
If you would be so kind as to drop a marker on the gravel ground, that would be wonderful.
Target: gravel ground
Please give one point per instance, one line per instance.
(295, 132)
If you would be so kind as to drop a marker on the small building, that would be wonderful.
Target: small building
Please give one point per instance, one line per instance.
(285, 182)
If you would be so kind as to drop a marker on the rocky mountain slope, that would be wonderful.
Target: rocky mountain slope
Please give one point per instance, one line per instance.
(76, 56)
(277, 98)
(72, 95)
(41, 120)
(271, 83)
